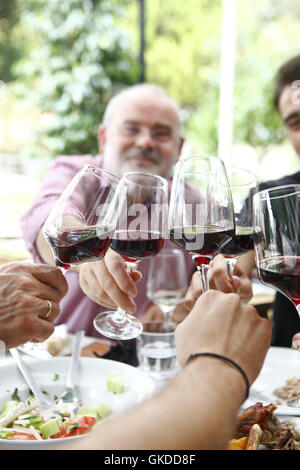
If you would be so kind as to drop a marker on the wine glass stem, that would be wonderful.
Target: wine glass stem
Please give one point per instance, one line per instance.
(203, 270)
(230, 264)
(63, 270)
(120, 314)
(167, 313)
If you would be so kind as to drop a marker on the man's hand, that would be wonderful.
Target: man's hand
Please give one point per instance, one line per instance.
(24, 290)
(107, 282)
(221, 323)
(218, 279)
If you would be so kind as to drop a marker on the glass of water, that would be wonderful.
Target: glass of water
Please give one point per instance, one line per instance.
(156, 349)
(167, 280)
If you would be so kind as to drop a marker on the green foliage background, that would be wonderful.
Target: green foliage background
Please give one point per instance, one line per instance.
(76, 59)
(69, 56)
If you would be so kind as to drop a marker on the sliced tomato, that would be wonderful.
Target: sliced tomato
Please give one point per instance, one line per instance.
(21, 436)
(75, 427)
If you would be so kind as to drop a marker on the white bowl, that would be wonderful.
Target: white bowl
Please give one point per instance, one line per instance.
(92, 377)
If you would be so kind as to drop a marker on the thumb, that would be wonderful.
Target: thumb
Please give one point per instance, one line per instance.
(236, 284)
(136, 276)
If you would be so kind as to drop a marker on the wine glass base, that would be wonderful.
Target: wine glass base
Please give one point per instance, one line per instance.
(118, 326)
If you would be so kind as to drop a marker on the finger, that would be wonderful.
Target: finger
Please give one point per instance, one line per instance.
(49, 275)
(33, 327)
(236, 283)
(218, 278)
(190, 300)
(90, 285)
(296, 341)
(50, 312)
(53, 277)
(180, 313)
(136, 276)
(46, 292)
(42, 309)
(27, 282)
(153, 313)
(242, 287)
(245, 289)
(194, 291)
(45, 329)
(117, 269)
(112, 290)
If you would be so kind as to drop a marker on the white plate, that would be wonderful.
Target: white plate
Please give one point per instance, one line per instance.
(92, 377)
(280, 365)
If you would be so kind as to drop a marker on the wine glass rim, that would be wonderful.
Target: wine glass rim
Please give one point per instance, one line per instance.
(159, 178)
(244, 170)
(105, 172)
(213, 157)
(182, 161)
(266, 193)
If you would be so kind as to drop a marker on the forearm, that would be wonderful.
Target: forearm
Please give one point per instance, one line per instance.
(197, 411)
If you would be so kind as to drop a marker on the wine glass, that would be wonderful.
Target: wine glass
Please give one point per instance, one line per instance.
(80, 225)
(277, 239)
(167, 280)
(243, 185)
(201, 218)
(140, 234)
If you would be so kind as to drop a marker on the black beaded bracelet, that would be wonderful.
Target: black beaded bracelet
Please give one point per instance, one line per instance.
(224, 358)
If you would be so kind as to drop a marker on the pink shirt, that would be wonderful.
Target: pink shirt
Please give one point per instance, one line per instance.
(77, 310)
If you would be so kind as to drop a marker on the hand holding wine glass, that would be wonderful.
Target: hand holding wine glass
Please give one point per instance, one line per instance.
(139, 234)
(218, 280)
(81, 224)
(201, 216)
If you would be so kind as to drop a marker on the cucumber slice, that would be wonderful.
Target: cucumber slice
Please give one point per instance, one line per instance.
(5, 434)
(115, 384)
(35, 421)
(103, 410)
(51, 427)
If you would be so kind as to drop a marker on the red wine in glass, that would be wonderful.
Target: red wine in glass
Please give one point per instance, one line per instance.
(134, 245)
(80, 245)
(80, 224)
(201, 218)
(139, 234)
(203, 243)
(283, 274)
(241, 243)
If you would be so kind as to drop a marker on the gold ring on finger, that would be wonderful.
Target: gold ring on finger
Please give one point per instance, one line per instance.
(49, 309)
